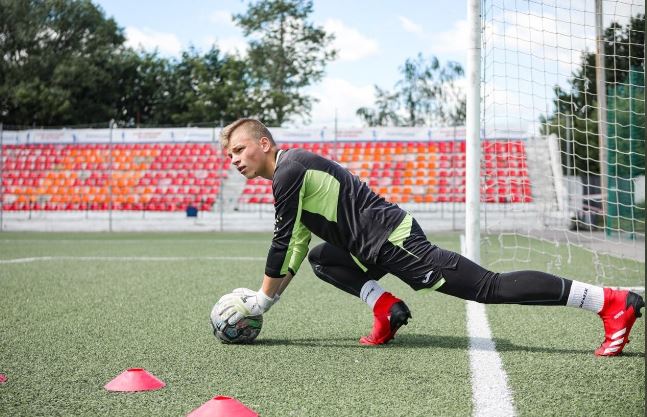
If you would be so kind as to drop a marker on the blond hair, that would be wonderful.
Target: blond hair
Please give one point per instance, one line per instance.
(253, 127)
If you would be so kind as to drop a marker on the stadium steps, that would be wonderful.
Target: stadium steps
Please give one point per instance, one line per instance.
(232, 188)
(544, 192)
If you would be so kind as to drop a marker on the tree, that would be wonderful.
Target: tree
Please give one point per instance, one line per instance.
(414, 90)
(143, 80)
(574, 113)
(64, 63)
(451, 102)
(213, 87)
(579, 125)
(624, 48)
(427, 95)
(386, 112)
(286, 54)
(57, 63)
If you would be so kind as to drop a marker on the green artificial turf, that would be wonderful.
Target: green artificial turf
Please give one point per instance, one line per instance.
(71, 323)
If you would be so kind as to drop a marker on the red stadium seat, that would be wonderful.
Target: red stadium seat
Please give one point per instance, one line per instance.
(193, 170)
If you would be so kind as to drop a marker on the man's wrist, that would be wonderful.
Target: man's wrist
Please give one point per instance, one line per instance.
(264, 301)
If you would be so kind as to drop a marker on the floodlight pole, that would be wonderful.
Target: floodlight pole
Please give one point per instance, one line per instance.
(472, 248)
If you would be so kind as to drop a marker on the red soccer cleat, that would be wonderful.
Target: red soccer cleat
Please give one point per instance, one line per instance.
(389, 314)
(620, 310)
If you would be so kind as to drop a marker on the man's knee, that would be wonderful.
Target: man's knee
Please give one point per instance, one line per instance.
(314, 256)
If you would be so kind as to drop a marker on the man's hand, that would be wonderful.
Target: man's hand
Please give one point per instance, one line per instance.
(243, 302)
(250, 293)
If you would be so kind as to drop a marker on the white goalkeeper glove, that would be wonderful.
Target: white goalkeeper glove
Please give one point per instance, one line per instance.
(250, 293)
(243, 302)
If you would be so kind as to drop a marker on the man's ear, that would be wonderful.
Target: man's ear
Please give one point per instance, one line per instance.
(265, 144)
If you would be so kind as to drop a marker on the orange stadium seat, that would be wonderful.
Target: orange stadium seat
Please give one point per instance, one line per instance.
(72, 176)
(169, 176)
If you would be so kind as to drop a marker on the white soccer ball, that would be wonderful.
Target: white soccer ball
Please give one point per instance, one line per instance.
(245, 331)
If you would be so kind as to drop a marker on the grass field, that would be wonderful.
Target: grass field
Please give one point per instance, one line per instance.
(78, 309)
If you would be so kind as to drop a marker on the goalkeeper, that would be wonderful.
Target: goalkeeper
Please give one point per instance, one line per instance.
(367, 237)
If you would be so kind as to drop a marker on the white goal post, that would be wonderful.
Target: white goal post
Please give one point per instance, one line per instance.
(567, 78)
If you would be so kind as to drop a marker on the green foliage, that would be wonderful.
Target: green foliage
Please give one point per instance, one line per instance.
(196, 88)
(65, 63)
(626, 120)
(286, 54)
(143, 80)
(578, 127)
(427, 95)
(414, 88)
(212, 87)
(574, 113)
(624, 49)
(385, 112)
(58, 62)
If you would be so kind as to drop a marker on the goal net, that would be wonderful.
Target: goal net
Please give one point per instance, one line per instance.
(581, 117)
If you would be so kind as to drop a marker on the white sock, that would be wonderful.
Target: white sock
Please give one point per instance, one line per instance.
(586, 296)
(370, 292)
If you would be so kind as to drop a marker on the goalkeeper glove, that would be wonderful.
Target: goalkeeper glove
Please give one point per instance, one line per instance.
(250, 293)
(244, 302)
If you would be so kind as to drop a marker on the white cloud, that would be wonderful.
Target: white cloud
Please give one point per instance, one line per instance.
(233, 45)
(165, 43)
(230, 45)
(454, 40)
(351, 44)
(221, 17)
(530, 49)
(410, 26)
(336, 94)
(541, 40)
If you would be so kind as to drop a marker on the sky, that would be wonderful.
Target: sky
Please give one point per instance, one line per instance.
(373, 40)
(528, 46)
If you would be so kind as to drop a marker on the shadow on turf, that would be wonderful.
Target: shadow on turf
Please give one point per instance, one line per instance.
(504, 345)
(409, 341)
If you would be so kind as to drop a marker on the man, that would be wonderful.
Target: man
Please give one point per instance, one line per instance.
(367, 237)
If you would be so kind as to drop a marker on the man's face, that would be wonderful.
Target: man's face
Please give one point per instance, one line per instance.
(247, 154)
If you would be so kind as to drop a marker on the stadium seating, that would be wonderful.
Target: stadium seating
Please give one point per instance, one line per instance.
(156, 177)
(172, 176)
(421, 172)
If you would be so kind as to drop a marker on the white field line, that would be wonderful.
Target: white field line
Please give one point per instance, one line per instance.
(491, 395)
(160, 258)
(173, 258)
(131, 258)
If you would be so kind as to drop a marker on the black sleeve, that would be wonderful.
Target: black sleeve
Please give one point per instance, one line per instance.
(290, 241)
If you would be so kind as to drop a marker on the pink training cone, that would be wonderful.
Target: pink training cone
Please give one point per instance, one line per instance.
(222, 406)
(135, 379)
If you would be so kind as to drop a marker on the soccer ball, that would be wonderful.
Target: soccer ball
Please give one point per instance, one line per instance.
(245, 331)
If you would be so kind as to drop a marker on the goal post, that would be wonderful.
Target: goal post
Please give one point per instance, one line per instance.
(567, 81)
(473, 137)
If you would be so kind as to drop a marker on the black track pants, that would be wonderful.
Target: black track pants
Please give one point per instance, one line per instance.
(463, 278)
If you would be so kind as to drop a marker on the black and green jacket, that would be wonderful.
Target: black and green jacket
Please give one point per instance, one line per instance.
(315, 195)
